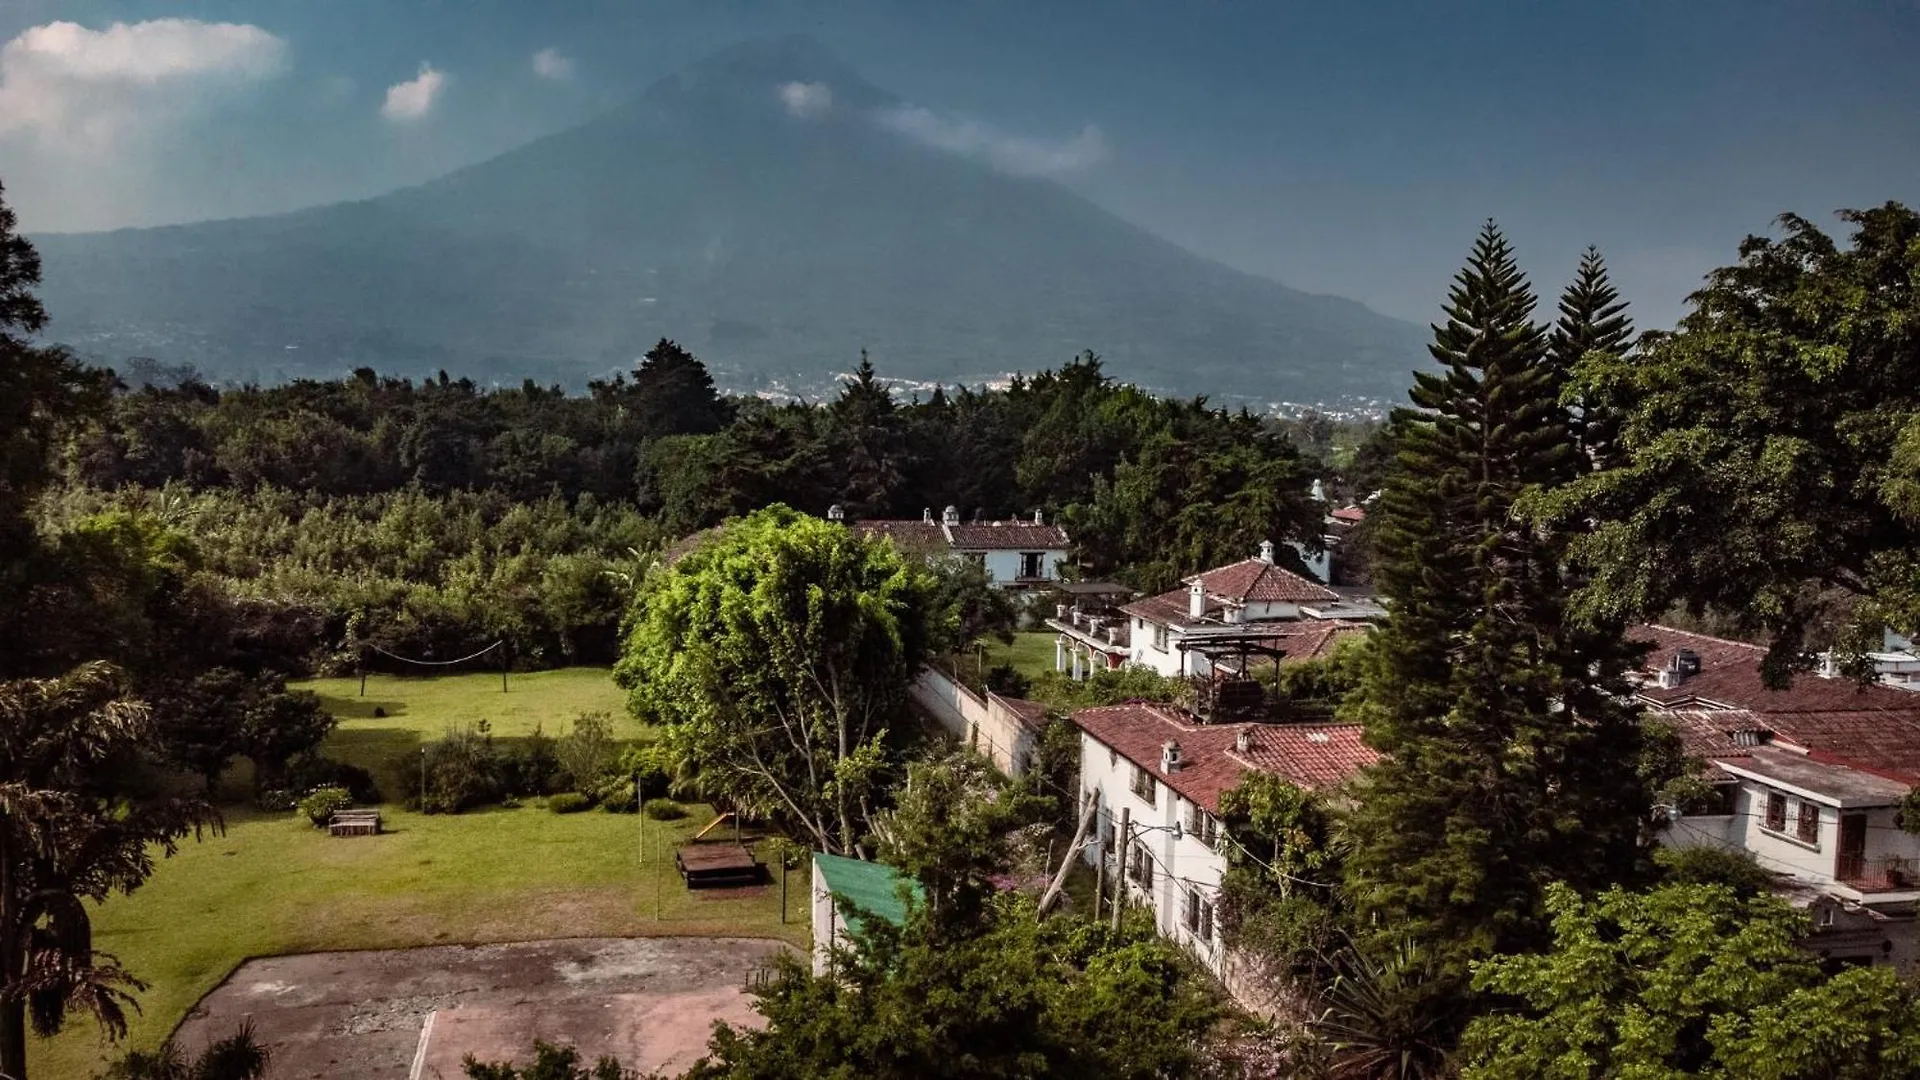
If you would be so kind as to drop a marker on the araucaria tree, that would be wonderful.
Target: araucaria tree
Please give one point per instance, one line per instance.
(1593, 321)
(68, 838)
(1509, 760)
(778, 655)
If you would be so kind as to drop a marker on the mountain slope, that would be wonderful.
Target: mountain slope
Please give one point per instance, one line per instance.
(775, 245)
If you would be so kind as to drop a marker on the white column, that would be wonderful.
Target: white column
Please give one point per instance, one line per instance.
(1060, 653)
(1075, 650)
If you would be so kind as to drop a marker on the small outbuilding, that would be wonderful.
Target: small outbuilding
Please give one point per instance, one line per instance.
(872, 888)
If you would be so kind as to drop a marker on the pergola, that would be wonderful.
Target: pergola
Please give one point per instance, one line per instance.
(1229, 649)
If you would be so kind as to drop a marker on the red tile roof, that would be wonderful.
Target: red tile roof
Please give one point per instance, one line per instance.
(1308, 755)
(1871, 728)
(1168, 609)
(1312, 756)
(906, 534)
(1007, 536)
(1730, 678)
(1259, 580)
(1351, 514)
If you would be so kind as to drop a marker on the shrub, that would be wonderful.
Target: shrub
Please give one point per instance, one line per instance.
(531, 767)
(310, 771)
(587, 752)
(616, 795)
(664, 810)
(1007, 681)
(463, 771)
(278, 800)
(319, 805)
(652, 763)
(569, 802)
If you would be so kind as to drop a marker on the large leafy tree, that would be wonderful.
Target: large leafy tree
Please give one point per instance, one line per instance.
(778, 656)
(1510, 761)
(1687, 980)
(69, 837)
(1768, 450)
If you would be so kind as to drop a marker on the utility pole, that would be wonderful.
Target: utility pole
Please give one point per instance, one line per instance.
(1120, 865)
(641, 816)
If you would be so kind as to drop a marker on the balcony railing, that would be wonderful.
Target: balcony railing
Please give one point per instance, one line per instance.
(1886, 873)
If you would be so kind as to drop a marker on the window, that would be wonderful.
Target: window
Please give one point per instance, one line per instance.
(1030, 564)
(1143, 785)
(1201, 826)
(1141, 868)
(1806, 824)
(1776, 818)
(1160, 637)
(1199, 915)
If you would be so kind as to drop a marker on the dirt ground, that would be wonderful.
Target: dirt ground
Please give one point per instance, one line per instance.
(649, 1001)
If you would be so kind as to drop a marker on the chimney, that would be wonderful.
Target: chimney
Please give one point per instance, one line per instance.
(1039, 518)
(1196, 599)
(836, 513)
(1243, 740)
(1170, 757)
(1319, 491)
(926, 515)
(951, 516)
(1266, 552)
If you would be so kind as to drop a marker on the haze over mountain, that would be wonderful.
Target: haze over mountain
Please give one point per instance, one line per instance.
(768, 208)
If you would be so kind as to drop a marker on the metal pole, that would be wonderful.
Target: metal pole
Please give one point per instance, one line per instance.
(423, 780)
(656, 883)
(1120, 867)
(783, 889)
(503, 670)
(1099, 879)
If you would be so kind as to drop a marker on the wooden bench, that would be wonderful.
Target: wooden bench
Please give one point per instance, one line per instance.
(354, 823)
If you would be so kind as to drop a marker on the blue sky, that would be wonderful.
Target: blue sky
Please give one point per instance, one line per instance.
(1349, 148)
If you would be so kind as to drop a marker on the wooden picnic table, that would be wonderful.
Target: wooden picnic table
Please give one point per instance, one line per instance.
(704, 865)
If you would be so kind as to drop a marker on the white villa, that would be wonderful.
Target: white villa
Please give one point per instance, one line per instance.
(1156, 776)
(1019, 555)
(1170, 632)
(1809, 779)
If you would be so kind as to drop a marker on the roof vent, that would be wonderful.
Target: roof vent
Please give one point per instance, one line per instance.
(926, 515)
(1039, 518)
(951, 516)
(836, 513)
(1686, 662)
(1243, 741)
(1266, 552)
(1170, 757)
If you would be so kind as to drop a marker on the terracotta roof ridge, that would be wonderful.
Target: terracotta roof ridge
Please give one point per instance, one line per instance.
(1706, 637)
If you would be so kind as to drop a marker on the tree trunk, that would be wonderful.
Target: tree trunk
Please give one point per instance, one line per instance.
(13, 1039)
(13, 1011)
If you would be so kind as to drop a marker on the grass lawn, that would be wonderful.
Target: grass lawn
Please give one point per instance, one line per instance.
(1031, 654)
(272, 884)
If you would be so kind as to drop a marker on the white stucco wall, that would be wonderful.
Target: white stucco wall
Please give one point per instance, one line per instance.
(1783, 851)
(1110, 778)
(987, 724)
(1003, 567)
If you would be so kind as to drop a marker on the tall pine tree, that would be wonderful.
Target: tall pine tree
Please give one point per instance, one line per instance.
(1509, 761)
(1593, 319)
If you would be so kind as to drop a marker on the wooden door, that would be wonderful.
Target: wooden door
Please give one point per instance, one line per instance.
(1852, 862)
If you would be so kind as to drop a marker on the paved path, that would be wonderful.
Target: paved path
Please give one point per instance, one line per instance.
(649, 1001)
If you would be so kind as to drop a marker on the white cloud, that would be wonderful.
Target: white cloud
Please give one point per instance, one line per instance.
(81, 88)
(1021, 155)
(548, 63)
(413, 99)
(807, 99)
